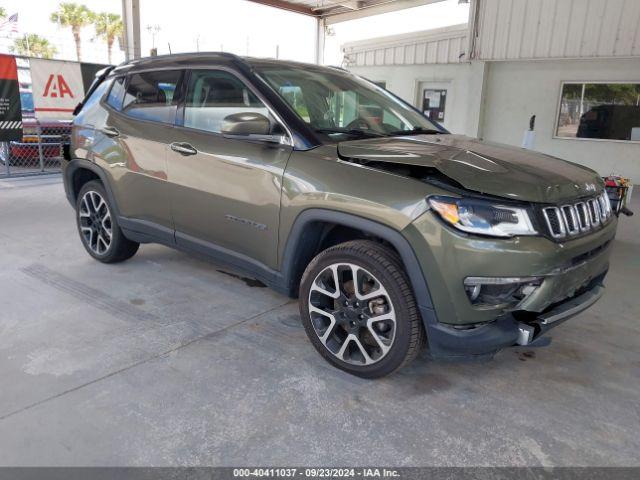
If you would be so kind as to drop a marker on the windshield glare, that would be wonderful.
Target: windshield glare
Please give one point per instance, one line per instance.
(338, 103)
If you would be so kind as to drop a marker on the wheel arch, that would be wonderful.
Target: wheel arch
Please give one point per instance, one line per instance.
(311, 228)
(80, 171)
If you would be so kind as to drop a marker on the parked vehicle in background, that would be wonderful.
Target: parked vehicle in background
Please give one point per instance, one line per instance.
(46, 138)
(613, 122)
(43, 140)
(392, 232)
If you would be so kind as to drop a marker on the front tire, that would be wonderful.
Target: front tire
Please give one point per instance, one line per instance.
(98, 226)
(358, 309)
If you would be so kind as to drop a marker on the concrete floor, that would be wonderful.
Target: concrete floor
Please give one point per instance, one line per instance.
(163, 360)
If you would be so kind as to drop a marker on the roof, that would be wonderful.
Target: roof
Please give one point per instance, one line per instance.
(342, 10)
(184, 60)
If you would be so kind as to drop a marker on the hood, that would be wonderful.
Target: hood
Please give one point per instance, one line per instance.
(483, 167)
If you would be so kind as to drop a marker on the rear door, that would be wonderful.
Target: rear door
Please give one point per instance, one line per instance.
(225, 192)
(141, 118)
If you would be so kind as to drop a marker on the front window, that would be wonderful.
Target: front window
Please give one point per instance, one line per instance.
(340, 104)
(213, 95)
(608, 111)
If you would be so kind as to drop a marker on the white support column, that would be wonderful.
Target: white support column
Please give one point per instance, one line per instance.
(320, 37)
(131, 35)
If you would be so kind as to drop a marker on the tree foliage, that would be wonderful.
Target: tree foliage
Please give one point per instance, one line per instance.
(604, 93)
(74, 16)
(108, 27)
(32, 45)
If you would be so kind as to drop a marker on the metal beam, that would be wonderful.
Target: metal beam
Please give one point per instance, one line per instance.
(377, 9)
(320, 40)
(131, 34)
(284, 5)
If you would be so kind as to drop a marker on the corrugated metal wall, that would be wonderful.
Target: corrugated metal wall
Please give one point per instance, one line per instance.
(445, 45)
(533, 29)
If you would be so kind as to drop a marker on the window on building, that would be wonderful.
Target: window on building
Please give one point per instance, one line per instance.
(114, 99)
(609, 111)
(213, 95)
(151, 96)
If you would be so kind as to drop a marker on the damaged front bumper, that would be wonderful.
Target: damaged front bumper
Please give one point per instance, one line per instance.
(571, 278)
(516, 328)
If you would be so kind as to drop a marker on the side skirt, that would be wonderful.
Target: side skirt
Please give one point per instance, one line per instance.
(149, 232)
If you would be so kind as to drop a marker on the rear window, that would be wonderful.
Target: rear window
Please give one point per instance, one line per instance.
(152, 96)
(116, 93)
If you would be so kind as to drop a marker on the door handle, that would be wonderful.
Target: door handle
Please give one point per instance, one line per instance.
(110, 131)
(183, 148)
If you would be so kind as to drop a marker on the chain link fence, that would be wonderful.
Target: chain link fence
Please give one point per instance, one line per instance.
(39, 151)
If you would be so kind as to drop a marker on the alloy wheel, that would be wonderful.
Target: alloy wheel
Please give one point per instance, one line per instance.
(352, 314)
(95, 222)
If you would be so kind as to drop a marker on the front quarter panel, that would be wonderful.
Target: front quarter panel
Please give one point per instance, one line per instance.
(317, 179)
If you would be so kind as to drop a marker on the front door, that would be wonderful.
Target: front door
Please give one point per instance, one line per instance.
(225, 192)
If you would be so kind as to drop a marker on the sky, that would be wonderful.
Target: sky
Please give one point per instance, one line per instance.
(235, 26)
(33, 17)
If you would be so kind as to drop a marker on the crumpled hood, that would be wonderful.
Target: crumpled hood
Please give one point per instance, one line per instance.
(483, 167)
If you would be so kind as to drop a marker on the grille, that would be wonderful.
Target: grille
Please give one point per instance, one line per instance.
(577, 218)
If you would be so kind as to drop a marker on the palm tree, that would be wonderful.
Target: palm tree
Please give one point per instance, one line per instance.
(75, 16)
(109, 27)
(32, 45)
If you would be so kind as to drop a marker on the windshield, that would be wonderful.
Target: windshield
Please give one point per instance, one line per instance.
(340, 104)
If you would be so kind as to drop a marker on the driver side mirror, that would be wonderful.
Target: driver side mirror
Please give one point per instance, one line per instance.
(250, 126)
(246, 123)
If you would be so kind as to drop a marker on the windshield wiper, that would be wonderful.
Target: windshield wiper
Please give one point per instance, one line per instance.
(417, 131)
(352, 132)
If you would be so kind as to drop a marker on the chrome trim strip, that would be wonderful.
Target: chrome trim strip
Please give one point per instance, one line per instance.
(594, 207)
(586, 225)
(561, 223)
(572, 307)
(595, 211)
(574, 219)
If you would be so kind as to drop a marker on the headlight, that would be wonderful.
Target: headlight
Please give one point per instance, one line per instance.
(483, 217)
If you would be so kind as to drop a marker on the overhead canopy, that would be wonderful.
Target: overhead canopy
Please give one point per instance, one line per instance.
(335, 11)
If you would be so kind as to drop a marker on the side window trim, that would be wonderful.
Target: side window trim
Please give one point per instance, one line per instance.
(181, 106)
(186, 78)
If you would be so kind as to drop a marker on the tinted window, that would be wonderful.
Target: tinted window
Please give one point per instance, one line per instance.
(116, 93)
(600, 110)
(212, 95)
(151, 96)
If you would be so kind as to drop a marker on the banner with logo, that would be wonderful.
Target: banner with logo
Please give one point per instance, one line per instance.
(10, 106)
(57, 87)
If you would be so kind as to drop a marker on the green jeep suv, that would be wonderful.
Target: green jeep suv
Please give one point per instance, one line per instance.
(393, 233)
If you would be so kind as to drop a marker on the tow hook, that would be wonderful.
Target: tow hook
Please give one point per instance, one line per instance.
(525, 334)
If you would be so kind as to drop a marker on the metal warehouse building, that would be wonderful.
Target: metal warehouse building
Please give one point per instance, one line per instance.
(574, 64)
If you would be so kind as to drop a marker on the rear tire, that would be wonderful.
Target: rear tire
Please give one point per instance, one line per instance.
(98, 226)
(369, 326)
